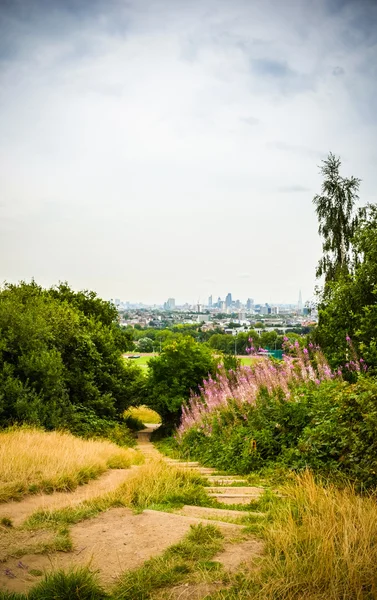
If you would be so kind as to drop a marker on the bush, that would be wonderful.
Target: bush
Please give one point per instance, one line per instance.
(85, 423)
(330, 428)
(133, 423)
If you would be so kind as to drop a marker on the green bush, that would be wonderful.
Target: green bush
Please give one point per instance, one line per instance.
(133, 423)
(85, 423)
(330, 428)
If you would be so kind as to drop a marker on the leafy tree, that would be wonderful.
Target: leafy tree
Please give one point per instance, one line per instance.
(349, 307)
(145, 344)
(55, 356)
(338, 218)
(180, 368)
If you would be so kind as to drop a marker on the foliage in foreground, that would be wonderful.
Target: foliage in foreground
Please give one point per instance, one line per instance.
(32, 460)
(330, 428)
(321, 546)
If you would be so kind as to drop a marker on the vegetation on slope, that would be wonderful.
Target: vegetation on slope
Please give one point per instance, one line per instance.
(32, 460)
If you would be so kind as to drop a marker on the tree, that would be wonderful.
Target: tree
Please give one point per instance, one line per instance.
(180, 368)
(145, 344)
(338, 219)
(56, 356)
(349, 309)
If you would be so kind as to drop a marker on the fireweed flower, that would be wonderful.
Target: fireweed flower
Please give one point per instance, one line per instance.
(246, 382)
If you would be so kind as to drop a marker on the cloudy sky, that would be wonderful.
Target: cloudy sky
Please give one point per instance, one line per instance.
(156, 148)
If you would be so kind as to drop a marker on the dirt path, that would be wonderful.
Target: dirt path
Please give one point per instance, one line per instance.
(18, 512)
(119, 540)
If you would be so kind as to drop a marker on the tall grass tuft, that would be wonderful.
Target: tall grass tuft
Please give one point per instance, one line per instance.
(78, 584)
(159, 483)
(322, 545)
(32, 460)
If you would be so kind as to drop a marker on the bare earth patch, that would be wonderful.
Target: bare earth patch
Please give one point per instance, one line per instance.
(112, 542)
(12, 541)
(18, 512)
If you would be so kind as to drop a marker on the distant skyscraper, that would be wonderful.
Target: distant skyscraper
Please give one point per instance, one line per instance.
(210, 302)
(250, 304)
(170, 304)
(299, 305)
(228, 300)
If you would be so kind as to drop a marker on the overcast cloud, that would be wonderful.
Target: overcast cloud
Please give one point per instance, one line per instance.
(170, 148)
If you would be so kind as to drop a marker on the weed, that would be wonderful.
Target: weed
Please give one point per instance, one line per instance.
(79, 584)
(6, 522)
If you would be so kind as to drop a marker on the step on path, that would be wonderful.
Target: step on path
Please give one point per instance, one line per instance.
(222, 487)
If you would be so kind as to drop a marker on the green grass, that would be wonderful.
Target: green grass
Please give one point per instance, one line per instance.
(142, 361)
(245, 360)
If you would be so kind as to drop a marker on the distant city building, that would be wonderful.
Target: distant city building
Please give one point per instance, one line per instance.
(204, 318)
(170, 304)
(299, 304)
(228, 300)
(210, 302)
(250, 304)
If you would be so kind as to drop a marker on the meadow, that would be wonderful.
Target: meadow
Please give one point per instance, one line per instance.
(32, 460)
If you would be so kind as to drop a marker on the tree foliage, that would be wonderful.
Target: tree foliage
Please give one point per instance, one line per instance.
(349, 307)
(338, 219)
(60, 355)
(180, 368)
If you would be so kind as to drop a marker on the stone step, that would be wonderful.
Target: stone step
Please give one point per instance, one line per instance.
(203, 511)
(243, 490)
(233, 498)
(195, 520)
(222, 479)
(172, 461)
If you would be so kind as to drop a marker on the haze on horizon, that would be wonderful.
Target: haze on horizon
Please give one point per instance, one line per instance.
(170, 148)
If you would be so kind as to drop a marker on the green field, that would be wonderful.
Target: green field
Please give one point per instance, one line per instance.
(245, 360)
(142, 361)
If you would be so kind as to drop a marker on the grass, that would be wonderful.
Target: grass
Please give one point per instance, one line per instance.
(321, 544)
(142, 361)
(32, 461)
(144, 414)
(191, 555)
(154, 484)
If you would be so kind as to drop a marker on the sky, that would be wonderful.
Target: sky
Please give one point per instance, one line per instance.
(171, 148)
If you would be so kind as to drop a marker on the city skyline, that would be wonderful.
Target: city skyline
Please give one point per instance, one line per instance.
(171, 303)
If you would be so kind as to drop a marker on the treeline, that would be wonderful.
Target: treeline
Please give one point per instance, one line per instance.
(151, 339)
(60, 360)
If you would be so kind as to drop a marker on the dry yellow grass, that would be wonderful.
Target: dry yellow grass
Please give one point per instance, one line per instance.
(145, 414)
(156, 482)
(322, 545)
(32, 460)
